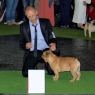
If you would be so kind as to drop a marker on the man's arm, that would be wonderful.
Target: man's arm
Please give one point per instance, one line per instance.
(52, 38)
(24, 39)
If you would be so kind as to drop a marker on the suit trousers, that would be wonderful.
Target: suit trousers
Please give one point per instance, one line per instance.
(31, 62)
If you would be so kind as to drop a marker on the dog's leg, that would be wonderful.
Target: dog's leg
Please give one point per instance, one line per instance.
(89, 33)
(74, 76)
(78, 74)
(85, 32)
(55, 78)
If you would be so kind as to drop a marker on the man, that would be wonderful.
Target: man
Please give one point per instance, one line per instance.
(79, 16)
(11, 6)
(26, 3)
(65, 13)
(36, 4)
(45, 40)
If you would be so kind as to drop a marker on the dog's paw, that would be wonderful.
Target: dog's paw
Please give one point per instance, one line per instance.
(55, 79)
(71, 80)
(77, 79)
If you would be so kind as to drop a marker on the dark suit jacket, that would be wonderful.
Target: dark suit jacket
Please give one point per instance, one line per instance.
(25, 36)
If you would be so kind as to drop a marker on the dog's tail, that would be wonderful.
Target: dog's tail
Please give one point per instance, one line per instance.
(78, 71)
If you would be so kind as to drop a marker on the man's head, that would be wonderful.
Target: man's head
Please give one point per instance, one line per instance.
(31, 14)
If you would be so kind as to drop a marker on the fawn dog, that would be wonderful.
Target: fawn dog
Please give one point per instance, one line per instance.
(61, 64)
(90, 26)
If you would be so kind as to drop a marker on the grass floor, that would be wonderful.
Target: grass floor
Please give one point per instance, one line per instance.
(72, 33)
(13, 82)
(59, 32)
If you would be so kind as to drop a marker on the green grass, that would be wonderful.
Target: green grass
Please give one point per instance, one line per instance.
(72, 33)
(13, 82)
(59, 32)
(8, 30)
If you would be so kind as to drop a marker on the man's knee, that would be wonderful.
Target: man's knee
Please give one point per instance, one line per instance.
(25, 73)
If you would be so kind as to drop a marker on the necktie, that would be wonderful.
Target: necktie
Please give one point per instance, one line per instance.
(35, 42)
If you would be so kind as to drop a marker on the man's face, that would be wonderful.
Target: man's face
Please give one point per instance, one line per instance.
(32, 15)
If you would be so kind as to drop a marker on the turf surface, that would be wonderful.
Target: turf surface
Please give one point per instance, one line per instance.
(13, 82)
(59, 32)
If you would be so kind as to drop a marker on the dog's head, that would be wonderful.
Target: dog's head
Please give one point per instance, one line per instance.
(93, 22)
(47, 55)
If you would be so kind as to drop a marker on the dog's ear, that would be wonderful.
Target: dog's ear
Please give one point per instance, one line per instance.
(92, 21)
(47, 53)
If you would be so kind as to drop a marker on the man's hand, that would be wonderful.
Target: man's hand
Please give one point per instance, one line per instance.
(84, 3)
(52, 46)
(28, 45)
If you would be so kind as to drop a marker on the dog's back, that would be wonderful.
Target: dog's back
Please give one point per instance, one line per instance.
(68, 63)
